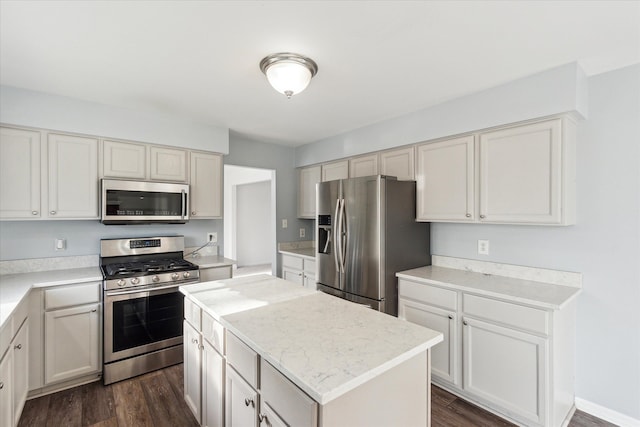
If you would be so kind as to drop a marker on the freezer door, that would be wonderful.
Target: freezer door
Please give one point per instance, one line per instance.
(327, 204)
(361, 230)
(367, 302)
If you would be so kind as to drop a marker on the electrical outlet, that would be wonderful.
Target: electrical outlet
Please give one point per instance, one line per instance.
(302, 232)
(212, 237)
(483, 247)
(284, 223)
(61, 244)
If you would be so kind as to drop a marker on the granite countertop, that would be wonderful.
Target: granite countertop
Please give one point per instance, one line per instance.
(543, 295)
(210, 261)
(308, 253)
(15, 287)
(325, 345)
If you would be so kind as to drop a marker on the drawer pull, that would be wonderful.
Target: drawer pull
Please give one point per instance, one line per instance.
(248, 402)
(19, 347)
(450, 317)
(468, 215)
(52, 212)
(34, 212)
(94, 310)
(464, 323)
(1, 385)
(193, 340)
(262, 417)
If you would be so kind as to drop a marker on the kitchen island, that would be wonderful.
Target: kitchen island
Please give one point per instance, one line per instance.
(301, 357)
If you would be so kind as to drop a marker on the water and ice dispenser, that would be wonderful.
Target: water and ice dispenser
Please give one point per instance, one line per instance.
(324, 234)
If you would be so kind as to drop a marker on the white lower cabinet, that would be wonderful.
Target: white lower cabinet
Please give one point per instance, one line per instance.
(20, 349)
(6, 389)
(241, 403)
(192, 369)
(513, 359)
(14, 366)
(72, 342)
(300, 270)
(213, 384)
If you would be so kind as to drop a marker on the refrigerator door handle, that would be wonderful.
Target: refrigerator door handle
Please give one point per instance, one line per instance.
(344, 235)
(336, 239)
(340, 236)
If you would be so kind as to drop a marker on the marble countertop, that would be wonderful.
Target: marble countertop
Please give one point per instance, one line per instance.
(325, 345)
(308, 253)
(543, 295)
(210, 261)
(15, 287)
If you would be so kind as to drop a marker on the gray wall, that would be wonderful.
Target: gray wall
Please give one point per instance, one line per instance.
(604, 245)
(246, 152)
(254, 224)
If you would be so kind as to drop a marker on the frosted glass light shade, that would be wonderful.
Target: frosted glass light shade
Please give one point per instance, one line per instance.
(288, 73)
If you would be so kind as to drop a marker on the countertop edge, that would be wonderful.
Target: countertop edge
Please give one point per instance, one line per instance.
(297, 253)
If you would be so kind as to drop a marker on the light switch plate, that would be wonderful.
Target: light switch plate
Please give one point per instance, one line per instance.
(284, 223)
(483, 247)
(61, 244)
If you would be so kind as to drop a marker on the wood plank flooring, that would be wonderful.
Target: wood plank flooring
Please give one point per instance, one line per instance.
(156, 399)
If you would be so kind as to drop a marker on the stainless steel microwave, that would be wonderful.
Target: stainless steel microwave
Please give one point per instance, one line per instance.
(143, 202)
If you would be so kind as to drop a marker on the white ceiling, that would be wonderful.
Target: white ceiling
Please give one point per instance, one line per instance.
(376, 59)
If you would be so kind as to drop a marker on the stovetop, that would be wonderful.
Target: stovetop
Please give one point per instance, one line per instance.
(143, 268)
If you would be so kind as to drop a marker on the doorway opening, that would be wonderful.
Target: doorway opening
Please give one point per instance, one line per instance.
(249, 219)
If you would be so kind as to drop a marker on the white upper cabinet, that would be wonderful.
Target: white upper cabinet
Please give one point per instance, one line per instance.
(73, 177)
(335, 170)
(445, 180)
(307, 180)
(206, 186)
(124, 160)
(363, 166)
(19, 173)
(527, 174)
(399, 163)
(167, 164)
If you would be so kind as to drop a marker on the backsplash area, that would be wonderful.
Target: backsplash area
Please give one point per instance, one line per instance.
(47, 264)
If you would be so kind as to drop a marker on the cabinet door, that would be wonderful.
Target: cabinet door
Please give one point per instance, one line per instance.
(19, 173)
(167, 164)
(309, 281)
(192, 369)
(520, 177)
(269, 418)
(213, 384)
(73, 177)
(72, 342)
(6, 390)
(363, 166)
(506, 367)
(444, 356)
(124, 160)
(307, 180)
(294, 276)
(241, 401)
(206, 186)
(20, 348)
(399, 163)
(445, 180)
(335, 170)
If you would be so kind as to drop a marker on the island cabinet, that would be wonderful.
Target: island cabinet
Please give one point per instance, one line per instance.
(512, 358)
(522, 174)
(14, 365)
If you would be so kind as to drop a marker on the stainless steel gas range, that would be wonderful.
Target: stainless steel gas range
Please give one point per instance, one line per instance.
(143, 308)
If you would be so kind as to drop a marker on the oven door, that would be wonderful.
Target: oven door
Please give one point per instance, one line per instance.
(140, 321)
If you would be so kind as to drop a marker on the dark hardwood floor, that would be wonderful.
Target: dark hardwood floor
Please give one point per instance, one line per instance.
(155, 399)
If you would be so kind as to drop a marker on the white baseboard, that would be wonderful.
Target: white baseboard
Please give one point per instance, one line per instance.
(606, 413)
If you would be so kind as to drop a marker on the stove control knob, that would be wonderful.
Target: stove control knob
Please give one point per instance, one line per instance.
(175, 276)
(121, 283)
(135, 281)
(186, 274)
(155, 278)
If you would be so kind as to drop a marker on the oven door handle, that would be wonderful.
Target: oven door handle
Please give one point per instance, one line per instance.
(137, 291)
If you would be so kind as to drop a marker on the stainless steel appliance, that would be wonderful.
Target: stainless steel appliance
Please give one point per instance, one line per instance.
(366, 233)
(143, 308)
(141, 202)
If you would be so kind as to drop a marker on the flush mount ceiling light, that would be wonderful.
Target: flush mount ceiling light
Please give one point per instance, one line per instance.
(288, 73)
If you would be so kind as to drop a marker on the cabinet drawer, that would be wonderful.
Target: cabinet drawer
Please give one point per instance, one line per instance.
(192, 313)
(66, 296)
(213, 332)
(522, 317)
(243, 359)
(292, 262)
(427, 294)
(215, 273)
(286, 399)
(309, 266)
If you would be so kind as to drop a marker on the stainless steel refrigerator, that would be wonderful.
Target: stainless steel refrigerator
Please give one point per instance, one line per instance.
(366, 233)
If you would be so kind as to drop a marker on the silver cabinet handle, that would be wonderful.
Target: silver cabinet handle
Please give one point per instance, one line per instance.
(468, 215)
(19, 347)
(94, 310)
(248, 402)
(450, 317)
(193, 340)
(261, 418)
(1, 385)
(52, 212)
(34, 212)
(193, 212)
(482, 216)
(464, 323)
